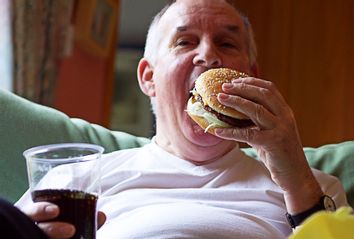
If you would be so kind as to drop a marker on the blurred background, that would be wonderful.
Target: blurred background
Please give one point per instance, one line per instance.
(80, 56)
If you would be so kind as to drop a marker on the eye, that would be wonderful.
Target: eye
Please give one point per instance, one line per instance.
(228, 42)
(228, 45)
(183, 42)
(186, 41)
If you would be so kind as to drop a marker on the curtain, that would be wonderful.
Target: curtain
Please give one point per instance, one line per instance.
(42, 35)
(5, 46)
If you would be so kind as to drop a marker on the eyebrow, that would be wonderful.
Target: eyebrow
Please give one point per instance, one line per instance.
(231, 28)
(181, 28)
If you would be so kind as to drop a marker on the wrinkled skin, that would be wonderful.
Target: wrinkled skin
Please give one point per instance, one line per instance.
(197, 36)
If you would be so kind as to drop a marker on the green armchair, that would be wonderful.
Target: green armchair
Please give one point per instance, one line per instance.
(24, 124)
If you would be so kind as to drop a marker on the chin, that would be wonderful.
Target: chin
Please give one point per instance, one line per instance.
(194, 133)
(203, 147)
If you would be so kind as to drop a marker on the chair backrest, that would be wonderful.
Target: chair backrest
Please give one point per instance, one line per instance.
(335, 159)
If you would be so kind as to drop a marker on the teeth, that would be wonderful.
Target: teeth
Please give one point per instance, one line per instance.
(191, 92)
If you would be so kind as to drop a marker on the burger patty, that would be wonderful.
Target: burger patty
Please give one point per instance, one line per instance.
(238, 123)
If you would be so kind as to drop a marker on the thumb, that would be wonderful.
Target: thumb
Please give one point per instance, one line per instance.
(42, 211)
(101, 219)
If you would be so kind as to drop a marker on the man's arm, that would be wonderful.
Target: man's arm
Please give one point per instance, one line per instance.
(276, 139)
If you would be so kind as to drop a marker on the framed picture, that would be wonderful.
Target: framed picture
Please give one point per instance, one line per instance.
(95, 24)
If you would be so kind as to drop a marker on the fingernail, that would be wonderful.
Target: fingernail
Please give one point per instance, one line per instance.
(218, 131)
(238, 80)
(227, 86)
(223, 96)
(51, 209)
(67, 230)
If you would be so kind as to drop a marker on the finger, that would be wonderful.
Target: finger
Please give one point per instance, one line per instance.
(256, 112)
(42, 211)
(57, 230)
(251, 136)
(256, 82)
(101, 219)
(257, 94)
(263, 84)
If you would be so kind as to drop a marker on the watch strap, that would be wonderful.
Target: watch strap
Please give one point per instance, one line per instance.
(297, 219)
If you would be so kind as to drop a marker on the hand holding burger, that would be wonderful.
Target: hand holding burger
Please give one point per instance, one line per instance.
(275, 136)
(205, 109)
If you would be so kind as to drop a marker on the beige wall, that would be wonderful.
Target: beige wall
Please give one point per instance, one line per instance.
(307, 48)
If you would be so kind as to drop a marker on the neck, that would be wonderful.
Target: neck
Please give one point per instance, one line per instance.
(195, 154)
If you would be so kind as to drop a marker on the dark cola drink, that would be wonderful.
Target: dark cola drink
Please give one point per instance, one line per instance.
(76, 207)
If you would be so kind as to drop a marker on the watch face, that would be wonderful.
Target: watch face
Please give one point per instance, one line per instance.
(329, 204)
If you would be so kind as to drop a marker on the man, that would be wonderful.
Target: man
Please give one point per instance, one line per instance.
(189, 184)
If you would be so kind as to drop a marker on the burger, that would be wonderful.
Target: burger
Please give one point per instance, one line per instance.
(204, 108)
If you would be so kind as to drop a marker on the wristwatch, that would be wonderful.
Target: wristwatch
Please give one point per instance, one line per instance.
(326, 203)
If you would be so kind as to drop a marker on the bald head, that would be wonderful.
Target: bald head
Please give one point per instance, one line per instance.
(154, 33)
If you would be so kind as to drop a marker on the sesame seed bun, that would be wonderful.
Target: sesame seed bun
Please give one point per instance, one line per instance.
(209, 84)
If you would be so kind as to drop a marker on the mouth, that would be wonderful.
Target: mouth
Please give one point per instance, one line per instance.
(194, 77)
(190, 93)
(191, 90)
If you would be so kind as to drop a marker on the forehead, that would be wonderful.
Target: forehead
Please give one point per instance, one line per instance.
(199, 14)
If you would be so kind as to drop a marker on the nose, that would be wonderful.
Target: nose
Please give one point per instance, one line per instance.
(207, 56)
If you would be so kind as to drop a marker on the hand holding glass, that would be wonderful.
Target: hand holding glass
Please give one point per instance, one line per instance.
(67, 175)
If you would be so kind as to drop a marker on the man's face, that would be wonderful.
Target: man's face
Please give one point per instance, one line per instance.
(194, 36)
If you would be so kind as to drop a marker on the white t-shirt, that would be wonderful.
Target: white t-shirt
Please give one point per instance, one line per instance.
(150, 193)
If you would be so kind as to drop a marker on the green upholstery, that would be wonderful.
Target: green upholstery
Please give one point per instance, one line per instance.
(24, 124)
(334, 159)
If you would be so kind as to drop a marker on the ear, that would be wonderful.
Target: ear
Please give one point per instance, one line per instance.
(145, 77)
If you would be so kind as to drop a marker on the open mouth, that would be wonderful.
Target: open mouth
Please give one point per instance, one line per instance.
(191, 89)
(190, 93)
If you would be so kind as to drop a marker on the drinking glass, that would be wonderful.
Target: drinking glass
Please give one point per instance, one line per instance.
(67, 175)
